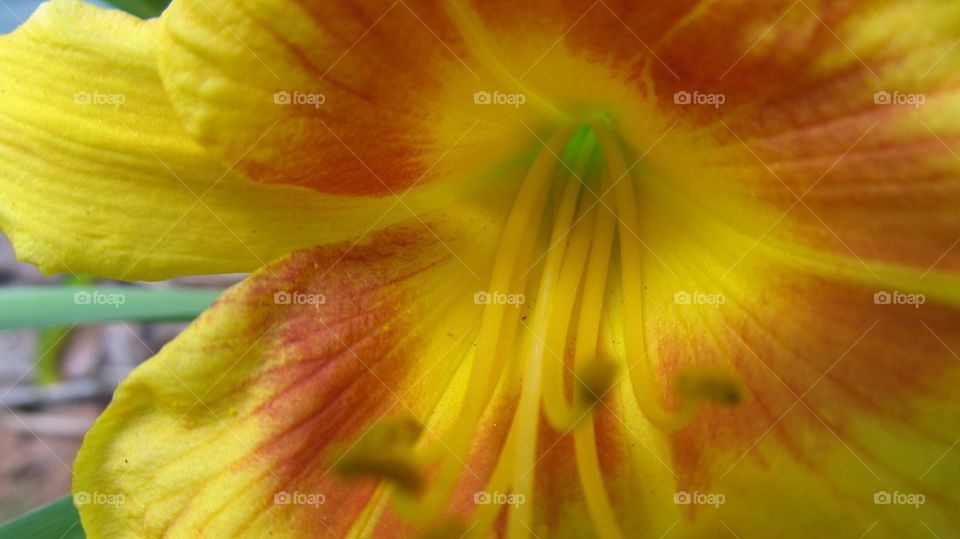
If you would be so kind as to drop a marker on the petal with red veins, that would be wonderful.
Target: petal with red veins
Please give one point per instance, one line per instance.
(849, 387)
(837, 132)
(298, 360)
(355, 98)
(97, 175)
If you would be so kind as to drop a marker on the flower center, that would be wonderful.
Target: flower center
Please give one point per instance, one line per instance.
(582, 175)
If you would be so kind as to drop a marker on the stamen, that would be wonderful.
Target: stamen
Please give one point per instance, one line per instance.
(595, 377)
(528, 410)
(534, 343)
(559, 412)
(709, 385)
(576, 269)
(591, 308)
(591, 480)
(527, 208)
(641, 373)
(385, 452)
(367, 521)
(448, 529)
(590, 368)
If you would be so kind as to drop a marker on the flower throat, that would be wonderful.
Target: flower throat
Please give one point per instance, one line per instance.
(582, 175)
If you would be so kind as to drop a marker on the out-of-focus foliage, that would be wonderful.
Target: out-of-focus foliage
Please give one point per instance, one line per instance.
(141, 8)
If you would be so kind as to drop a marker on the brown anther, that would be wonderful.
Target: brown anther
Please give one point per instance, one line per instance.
(386, 452)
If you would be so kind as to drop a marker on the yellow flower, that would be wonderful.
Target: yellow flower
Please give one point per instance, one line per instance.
(553, 269)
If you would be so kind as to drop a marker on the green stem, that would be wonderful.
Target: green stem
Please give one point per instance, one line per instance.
(44, 307)
(54, 340)
(56, 519)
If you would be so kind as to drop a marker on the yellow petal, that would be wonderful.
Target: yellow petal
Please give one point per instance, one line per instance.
(849, 388)
(97, 174)
(393, 82)
(831, 129)
(245, 411)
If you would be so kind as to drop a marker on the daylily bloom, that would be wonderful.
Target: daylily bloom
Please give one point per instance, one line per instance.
(553, 269)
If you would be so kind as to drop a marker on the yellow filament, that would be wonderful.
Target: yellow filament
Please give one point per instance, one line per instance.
(565, 212)
(588, 329)
(575, 268)
(638, 364)
(564, 416)
(511, 319)
(591, 480)
(423, 512)
(528, 410)
(527, 209)
(534, 342)
(528, 415)
(369, 517)
(561, 414)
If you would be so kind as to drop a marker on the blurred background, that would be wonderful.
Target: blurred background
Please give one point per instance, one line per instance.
(55, 381)
(13, 12)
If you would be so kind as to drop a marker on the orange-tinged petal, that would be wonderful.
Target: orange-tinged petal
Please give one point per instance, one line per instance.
(633, 457)
(97, 174)
(848, 381)
(766, 225)
(835, 131)
(366, 98)
(298, 361)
